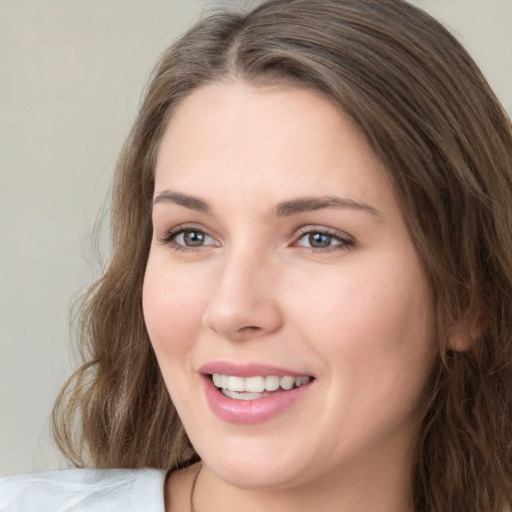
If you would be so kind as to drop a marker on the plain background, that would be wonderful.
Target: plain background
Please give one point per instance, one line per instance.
(71, 76)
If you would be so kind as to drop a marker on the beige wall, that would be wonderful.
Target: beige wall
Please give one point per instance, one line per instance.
(484, 27)
(71, 73)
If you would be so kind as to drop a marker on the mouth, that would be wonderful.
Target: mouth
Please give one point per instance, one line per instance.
(253, 393)
(255, 387)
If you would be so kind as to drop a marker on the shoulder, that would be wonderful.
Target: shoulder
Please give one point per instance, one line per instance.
(83, 490)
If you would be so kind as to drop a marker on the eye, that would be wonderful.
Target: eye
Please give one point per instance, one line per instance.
(323, 240)
(188, 238)
(192, 238)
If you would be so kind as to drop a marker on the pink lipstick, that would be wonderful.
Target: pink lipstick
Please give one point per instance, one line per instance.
(253, 393)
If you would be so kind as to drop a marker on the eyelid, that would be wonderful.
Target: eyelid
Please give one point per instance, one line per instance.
(346, 241)
(169, 236)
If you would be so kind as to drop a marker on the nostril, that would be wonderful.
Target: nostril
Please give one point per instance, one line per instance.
(237, 319)
(249, 329)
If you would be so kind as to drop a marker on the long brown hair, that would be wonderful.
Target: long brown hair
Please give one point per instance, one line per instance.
(433, 120)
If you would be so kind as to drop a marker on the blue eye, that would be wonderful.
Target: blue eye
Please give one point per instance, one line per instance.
(182, 238)
(319, 240)
(193, 238)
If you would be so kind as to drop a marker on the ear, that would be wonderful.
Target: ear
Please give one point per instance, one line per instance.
(460, 338)
(465, 333)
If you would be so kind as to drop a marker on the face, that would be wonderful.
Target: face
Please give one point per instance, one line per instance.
(286, 304)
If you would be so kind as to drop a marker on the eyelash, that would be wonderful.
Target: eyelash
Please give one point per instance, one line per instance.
(170, 237)
(344, 243)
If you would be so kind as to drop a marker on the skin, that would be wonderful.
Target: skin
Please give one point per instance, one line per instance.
(357, 315)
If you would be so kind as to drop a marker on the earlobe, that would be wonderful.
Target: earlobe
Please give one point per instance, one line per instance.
(460, 339)
(464, 334)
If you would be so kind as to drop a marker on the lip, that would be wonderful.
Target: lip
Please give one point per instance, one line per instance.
(245, 412)
(247, 370)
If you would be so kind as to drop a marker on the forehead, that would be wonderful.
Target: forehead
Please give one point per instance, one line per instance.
(236, 139)
(224, 109)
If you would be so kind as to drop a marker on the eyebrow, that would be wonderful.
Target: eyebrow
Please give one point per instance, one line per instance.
(308, 204)
(191, 202)
(284, 209)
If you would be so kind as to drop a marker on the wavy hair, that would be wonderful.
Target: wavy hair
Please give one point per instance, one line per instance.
(447, 143)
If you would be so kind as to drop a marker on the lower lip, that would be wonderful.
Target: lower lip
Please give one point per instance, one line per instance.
(250, 411)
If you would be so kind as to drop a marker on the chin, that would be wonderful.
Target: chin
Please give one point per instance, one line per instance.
(258, 464)
(246, 474)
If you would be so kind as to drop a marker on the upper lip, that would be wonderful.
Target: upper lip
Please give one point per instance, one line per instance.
(248, 369)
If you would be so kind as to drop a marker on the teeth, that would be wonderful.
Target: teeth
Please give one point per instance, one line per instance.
(271, 383)
(299, 381)
(236, 383)
(233, 386)
(242, 396)
(217, 380)
(287, 382)
(255, 384)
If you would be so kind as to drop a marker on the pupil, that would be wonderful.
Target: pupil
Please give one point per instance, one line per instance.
(193, 238)
(319, 240)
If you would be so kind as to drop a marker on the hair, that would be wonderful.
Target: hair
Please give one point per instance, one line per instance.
(435, 123)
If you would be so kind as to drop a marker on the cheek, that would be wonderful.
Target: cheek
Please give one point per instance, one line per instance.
(374, 323)
(377, 304)
(172, 305)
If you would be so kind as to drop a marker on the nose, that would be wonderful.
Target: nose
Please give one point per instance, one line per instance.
(244, 302)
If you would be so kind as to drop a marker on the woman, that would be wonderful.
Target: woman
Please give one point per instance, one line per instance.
(308, 303)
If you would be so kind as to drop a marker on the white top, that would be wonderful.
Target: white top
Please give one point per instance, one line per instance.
(84, 490)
